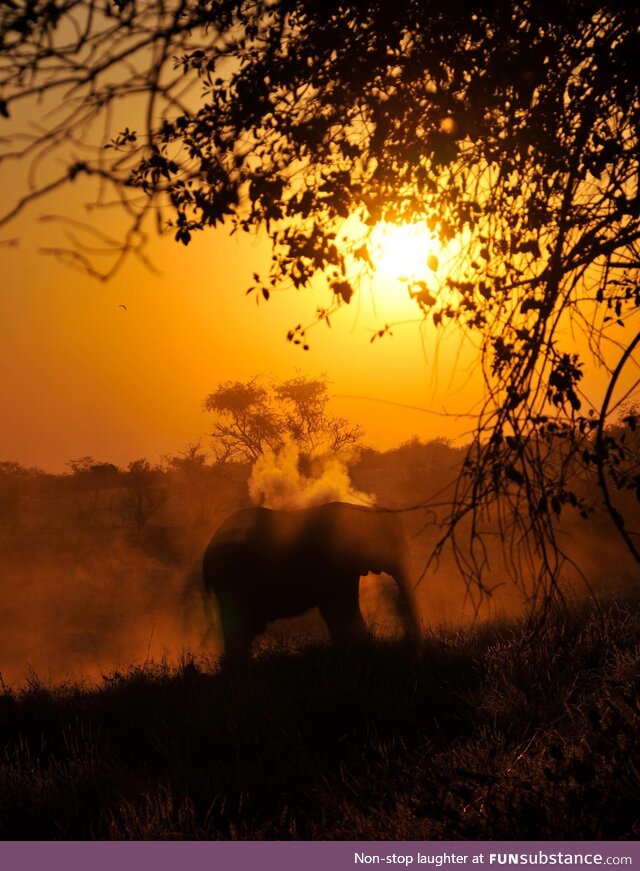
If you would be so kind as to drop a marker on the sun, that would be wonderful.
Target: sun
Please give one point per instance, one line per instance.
(404, 252)
(398, 263)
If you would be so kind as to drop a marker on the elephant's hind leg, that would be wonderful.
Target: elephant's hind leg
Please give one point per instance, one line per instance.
(341, 611)
(237, 632)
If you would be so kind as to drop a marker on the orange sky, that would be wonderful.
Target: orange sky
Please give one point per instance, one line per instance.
(81, 376)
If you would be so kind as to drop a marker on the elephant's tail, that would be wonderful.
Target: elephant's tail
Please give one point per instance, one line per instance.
(192, 583)
(408, 605)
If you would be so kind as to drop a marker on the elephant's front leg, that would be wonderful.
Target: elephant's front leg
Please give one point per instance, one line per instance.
(340, 609)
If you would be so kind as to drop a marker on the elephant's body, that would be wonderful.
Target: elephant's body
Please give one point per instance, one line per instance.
(263, 565)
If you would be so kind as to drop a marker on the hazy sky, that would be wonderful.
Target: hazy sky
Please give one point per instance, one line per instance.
(83, 376)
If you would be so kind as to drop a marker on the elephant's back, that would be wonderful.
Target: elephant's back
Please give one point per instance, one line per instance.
(305, 541)
(238, 531)
(252, 532)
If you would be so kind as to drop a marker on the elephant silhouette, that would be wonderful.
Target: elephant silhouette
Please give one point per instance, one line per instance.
(263, 565)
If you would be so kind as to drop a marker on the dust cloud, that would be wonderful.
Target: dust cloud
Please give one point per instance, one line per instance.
(77, 612)
(278, 480)
(97, 577)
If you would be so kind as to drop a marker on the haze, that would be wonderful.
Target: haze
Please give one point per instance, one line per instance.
(84, 375)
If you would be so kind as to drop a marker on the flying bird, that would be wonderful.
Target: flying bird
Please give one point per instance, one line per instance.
(123, 307)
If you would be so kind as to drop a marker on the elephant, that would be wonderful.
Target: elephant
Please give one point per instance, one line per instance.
(263, 565)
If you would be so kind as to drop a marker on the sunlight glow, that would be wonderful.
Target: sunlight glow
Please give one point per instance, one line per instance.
(404, 251)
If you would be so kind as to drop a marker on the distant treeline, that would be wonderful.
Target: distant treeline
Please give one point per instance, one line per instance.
(100, 565)
(189, 488)
(169, 508)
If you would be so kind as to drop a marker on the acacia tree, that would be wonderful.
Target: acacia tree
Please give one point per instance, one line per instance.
(509, 129)
(251, 419)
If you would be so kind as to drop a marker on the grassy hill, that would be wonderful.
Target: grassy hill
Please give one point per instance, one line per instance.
(499, 732)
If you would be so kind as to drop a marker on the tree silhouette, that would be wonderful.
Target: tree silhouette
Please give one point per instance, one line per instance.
(509, 129)
(199, 481)
(145, 491)
(251, 419)
(92, 481)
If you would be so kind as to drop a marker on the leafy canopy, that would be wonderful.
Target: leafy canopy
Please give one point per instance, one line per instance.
(251, 419)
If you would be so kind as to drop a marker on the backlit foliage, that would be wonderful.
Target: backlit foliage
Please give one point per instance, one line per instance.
(251, 419)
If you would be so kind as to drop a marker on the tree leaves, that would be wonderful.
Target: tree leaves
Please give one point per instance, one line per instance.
(343, 290)
(250, 419)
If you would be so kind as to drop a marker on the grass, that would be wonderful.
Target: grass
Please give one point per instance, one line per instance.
(497, 732)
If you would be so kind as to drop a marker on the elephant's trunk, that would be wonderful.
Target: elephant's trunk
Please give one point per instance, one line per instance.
(388, 548)
(407, 605)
